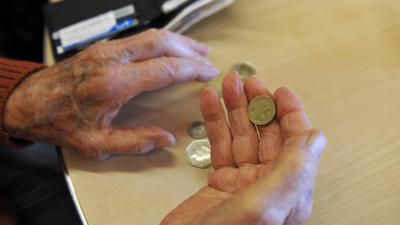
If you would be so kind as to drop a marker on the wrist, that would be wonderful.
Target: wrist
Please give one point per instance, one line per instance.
(14, 121)
(21, 109)
(12, 75)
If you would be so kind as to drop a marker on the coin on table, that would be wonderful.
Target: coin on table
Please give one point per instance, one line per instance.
(244, 69)
(261, 110)
(197, 130)
(199, 153)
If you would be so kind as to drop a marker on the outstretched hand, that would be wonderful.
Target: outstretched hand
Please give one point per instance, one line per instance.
(72, 103)
(267, 181)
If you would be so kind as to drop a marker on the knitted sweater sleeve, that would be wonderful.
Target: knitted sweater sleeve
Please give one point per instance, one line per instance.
(12, 73)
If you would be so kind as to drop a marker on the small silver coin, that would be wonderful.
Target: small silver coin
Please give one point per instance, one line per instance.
(199, 153)
(244, 69)
(197, 130)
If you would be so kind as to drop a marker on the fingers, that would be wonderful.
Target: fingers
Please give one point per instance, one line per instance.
(217, 129)
(160, 72)
(291, 114)
(137, 140)
(244, 137)
(199, 47)
(130, 140)
(270, 136)
(158, 43)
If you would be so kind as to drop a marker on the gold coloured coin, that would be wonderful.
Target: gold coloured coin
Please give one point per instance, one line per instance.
(261, 110)
(244, 69)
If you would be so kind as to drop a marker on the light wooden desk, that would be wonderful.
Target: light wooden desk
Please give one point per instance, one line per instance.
(342, 57)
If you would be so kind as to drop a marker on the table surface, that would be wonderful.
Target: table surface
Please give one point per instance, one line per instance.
(342, 57)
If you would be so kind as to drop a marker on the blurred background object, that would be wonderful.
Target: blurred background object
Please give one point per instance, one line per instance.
(74, 25)
(21, 29)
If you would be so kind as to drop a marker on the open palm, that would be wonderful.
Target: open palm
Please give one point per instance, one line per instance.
(266, 180)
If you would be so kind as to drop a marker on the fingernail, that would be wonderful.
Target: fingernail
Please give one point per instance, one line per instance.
(238, 80)
(213, 71)
(208, 73)
(204, 60)
(312, 137)
(259, 83)
(207, 49)
(317, 143)
(235, 73)
(233, 85)
(204, 47)
(168, 140)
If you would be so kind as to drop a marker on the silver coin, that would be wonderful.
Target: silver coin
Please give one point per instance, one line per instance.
(197, 130)
(199, 153)
(244, 69)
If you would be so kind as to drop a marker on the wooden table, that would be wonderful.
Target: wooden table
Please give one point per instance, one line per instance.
(342, 57)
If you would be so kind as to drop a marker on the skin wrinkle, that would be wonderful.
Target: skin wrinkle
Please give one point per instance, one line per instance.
(231, 196)
(279, 188)
(73, 103)
(219, 135)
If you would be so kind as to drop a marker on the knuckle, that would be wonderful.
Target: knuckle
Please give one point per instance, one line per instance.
(169, 68)
(88, 148)
(152, 30)
(170, 64)
(90, 95)
(96, 83)
(160, 37)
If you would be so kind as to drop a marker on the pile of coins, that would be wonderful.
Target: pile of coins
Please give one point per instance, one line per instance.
(261, 111)
(198, 151)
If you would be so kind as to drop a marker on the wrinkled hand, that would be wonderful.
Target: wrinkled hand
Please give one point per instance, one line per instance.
(73, 103)
(268, 181)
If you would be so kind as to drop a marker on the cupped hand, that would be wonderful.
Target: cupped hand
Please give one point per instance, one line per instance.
(72, 103)
(255, 181)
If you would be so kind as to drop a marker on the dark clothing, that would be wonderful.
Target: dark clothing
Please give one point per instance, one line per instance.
(31, 180)
(21, 29)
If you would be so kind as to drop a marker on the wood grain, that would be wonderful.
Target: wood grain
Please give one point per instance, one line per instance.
(342, 57)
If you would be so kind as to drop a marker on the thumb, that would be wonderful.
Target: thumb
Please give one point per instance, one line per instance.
(135, 140)
(307, 147)
(299, 160)
(295, 170)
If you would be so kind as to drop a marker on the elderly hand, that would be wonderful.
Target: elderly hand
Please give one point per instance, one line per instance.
(72, 103)
(267, 181)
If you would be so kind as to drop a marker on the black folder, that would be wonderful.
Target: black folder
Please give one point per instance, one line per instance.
(72, 24)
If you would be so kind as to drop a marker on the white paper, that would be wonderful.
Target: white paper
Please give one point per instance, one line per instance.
(87, 29)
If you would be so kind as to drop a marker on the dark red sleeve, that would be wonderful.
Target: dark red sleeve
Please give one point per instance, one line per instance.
(12, 72)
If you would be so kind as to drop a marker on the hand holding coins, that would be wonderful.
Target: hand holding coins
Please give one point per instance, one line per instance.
(262, 111)
(253, 175)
